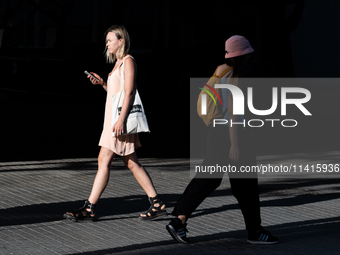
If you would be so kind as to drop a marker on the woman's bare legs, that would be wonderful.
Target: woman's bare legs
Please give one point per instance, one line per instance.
(131, 161)
(104, 162)
(102, 178)
(141, 175)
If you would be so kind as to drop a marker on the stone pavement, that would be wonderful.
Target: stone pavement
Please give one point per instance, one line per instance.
(304, 213)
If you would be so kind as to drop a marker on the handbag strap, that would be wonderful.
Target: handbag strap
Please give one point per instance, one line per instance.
(122, 78)
(223, 72)
(224, 112)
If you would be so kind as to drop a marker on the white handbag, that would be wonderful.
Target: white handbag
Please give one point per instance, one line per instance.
(136, 120)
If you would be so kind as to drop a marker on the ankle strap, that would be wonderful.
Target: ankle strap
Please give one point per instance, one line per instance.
(154, 200)
(90, 205)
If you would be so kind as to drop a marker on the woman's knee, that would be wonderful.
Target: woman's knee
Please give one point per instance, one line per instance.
(131, 162)
(104, 158)
(133, 165)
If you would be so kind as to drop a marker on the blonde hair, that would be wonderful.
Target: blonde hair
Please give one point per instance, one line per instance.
(123, 50)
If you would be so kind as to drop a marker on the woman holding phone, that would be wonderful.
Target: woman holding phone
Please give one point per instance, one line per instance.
(117, 47)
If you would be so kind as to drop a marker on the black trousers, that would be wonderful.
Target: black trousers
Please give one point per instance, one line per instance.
(244, 187)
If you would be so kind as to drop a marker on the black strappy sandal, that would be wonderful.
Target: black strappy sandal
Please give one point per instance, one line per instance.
(154, 211)
(86, 212)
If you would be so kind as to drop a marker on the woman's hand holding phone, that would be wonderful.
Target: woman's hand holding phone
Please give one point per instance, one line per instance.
(94, 78)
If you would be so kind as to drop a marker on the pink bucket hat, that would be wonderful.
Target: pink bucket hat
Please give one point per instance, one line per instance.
(237, 45)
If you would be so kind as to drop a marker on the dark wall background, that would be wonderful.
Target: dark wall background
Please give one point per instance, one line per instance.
(48, 109)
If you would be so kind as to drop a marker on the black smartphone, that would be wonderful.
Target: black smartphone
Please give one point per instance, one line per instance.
(86, 72)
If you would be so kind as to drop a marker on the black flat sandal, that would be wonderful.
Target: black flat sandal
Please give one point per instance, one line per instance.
(154, 211)
(86, 212)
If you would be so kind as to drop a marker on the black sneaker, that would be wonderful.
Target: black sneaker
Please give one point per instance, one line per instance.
(178, 230)
(262, 237)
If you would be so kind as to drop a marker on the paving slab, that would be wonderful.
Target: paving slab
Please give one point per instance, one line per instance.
(302, 212)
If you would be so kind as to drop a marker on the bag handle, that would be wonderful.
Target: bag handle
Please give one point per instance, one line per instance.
(122, 78)
(223, 72)
(224, 112)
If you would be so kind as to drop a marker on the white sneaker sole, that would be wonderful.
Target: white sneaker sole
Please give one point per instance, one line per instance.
(261, 242)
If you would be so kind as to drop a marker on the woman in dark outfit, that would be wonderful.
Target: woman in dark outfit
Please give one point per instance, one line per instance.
(224, 140)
